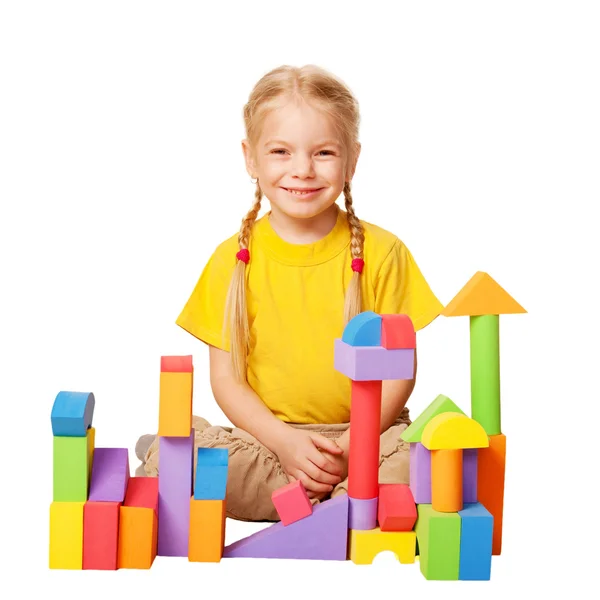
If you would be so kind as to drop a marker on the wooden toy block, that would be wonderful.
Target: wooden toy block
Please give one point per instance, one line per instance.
(485, 372)
(207, 530)
(397, 331)
(477, 526)
(363, 330)
(491, 463)
(175, 474)
(100, 535)
(469, 476)
(453, 431)
(211, 473)
(365, 420)
(138, 529)
(420, 473)
(110, 474)
(438, 539)
(446, 480)
(482, 295)
(370, 363)
(66, 535)
(442, 404)
(397, 510)
(71, 460)
(175, 406)
(177, 364)
(322, 536)
(362, 513)
(292, 502)
(364, 546)
(72, 413)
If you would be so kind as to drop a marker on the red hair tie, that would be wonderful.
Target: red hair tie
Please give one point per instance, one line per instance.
(243, 255)
(358, 264)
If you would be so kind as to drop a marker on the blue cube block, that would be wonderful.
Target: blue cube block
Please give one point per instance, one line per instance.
(477, 527)
(211, 474)
(72, 414)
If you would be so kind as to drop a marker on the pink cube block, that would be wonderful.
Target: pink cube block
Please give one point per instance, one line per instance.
(292, 502)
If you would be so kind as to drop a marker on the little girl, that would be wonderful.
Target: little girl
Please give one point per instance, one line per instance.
(273, 298)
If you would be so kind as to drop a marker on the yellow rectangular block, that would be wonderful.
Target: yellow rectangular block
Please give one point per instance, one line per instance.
(66, 535)
(365, 545)
(207, 530)
(175, 404)
(138, 537)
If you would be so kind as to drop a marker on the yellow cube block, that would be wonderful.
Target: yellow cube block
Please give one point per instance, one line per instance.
(207, 530)
(66, 535)
(175, 406)
(366, 545)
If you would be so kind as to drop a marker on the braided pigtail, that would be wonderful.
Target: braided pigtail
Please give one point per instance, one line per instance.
(236, 315)
(353, 304)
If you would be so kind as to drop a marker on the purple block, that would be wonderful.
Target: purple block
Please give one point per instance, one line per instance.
(320, 536)
(362, 513)
(469, 475)
(420, 473)
(110, 475)
(175, 468)
(373, 363)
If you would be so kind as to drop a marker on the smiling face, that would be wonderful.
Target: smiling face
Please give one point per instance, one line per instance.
(299, 149)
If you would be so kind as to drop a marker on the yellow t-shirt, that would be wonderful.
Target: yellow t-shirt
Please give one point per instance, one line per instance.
(295, 299)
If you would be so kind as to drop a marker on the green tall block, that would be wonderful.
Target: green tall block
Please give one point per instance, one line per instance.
(72, 467)
(485, 372)
(438, 535)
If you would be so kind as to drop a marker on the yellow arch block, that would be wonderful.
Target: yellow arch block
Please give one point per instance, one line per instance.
(365, 545)
(454, 431)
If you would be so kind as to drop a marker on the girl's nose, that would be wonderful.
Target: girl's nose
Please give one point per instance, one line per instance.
(302, 166)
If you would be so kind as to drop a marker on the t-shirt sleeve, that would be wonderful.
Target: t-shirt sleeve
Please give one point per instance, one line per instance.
(401, 288)
(203, 313)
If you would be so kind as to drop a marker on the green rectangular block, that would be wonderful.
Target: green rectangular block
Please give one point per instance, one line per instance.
(72, 467)
(438, 536)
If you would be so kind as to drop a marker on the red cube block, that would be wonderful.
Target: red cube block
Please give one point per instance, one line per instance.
(396, 510)
(292, 502)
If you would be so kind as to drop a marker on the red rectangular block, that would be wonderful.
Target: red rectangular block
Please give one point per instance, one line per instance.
(176, 364)
(142, 492)
(396, 509)
(100, 535)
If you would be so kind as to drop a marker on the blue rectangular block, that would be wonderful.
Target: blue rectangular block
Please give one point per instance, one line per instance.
(211, 474)
(476, 531)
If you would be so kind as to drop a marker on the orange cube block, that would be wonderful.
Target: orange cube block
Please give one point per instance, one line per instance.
(292, 502)
(397, 331)
(207, 530)
(396, 509)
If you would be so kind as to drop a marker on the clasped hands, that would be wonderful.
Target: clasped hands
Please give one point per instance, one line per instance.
(318, 462)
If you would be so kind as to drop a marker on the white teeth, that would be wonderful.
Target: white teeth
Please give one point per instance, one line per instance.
(298, 193)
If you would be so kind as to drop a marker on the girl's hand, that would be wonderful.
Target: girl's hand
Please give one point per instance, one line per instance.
(301, 459)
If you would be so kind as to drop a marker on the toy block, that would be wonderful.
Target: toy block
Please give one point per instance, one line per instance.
(100, 535)
(491, 463)
(476, 532)
(292, 502)
(453, 431)
(175, 405)
(397, 331)
(366, 545)
(438, 539)
(441, 404)
(365, 431)
(211, 473)
(420, 473)
(482, 295)
(396, 510)
(485, 372)
(362, 514)
(469, 476)
(110, 474)
(71, 460)
(363, 330)
(91, 433)
(207, 530)
(322, 536)
(72, 414)
(176, 364)
(175, 475)
(66, 535)
(446, 480)
(138, 527)
(372, 363)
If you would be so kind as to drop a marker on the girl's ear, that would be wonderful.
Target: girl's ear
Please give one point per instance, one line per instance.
(250, 163)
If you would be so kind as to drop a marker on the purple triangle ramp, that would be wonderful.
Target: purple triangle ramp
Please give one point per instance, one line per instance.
(323, 535)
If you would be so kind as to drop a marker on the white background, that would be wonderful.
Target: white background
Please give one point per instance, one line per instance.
(121, 169)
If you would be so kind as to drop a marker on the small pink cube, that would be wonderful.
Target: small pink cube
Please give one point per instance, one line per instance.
(292, 502)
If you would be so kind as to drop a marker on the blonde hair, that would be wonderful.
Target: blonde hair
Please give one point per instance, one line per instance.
(326, 92)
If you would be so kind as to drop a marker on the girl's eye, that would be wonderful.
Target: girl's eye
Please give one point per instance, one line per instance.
(281, 150)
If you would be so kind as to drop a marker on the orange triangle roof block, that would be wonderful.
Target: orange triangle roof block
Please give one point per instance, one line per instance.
(482, 295)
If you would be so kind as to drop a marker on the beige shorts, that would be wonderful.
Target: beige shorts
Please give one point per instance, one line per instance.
(255, 472)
